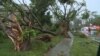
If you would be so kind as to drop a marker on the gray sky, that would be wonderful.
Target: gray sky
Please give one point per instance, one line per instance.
(92, 5)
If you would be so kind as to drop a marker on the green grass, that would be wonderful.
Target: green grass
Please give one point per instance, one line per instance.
(38, 48)
(81, 47)
(84, 47)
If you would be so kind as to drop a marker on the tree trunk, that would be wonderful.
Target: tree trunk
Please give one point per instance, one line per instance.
(64, 28)
(14, 32)
(21, 45)
(26, 44)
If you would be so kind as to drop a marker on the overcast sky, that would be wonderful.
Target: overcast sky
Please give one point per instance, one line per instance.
(92, 5)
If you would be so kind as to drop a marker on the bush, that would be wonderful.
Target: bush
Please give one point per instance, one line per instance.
(1, 36)
(80, 34)
(31, 33)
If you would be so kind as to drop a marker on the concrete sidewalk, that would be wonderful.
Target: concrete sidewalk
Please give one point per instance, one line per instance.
(62, 48)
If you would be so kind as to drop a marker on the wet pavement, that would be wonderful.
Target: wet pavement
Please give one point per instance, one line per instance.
(62, 48)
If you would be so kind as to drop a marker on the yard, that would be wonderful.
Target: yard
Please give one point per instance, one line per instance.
(84, 47)
(81, 47)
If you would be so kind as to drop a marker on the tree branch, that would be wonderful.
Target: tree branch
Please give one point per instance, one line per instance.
(44, 31)
(33, 15)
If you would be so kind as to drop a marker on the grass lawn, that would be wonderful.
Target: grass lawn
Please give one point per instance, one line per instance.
(81, 47)
(84, 47)
(38, 48)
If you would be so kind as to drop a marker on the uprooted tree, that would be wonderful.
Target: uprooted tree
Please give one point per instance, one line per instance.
(19, 19)
(17, 22)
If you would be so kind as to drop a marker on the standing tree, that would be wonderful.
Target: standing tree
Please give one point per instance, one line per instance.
(66, 11)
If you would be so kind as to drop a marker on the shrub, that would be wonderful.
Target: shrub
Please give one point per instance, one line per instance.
(80, 34)
(1, 36)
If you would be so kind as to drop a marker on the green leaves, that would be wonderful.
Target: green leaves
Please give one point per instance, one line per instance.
(85, 15)
(96, 20)
(29, 32)
(39, 8)
(63, 1)
(67, 1)
(83, 4)
(72, 14)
